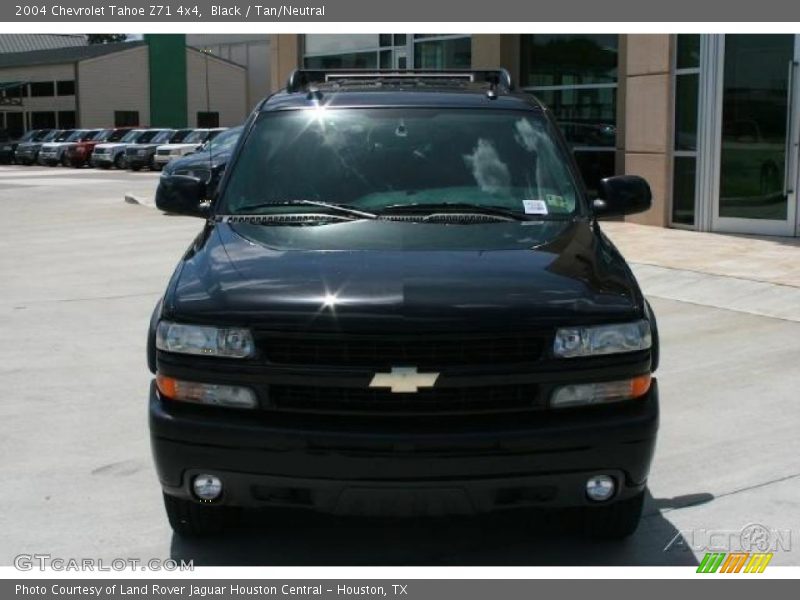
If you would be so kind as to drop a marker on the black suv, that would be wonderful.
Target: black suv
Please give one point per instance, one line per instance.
(401, 302)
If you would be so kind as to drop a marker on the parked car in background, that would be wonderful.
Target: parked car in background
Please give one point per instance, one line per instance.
(54, 152)
(208, 163)
(191, 143)
(80, 153)
(140, 154)
(8, 148)
(109, 155)
(27, 153)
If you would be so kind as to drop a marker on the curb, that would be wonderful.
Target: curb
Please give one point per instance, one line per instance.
(134, 199)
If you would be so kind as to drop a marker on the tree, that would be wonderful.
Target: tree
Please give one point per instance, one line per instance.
(105, 38)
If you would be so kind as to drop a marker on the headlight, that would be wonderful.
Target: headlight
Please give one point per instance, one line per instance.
(204, 341)
(603, 339)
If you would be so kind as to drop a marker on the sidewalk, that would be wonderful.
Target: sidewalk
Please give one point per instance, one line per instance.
(758, 275)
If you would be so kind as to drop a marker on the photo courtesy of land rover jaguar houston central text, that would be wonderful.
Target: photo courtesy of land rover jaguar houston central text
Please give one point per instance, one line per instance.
(401, 303)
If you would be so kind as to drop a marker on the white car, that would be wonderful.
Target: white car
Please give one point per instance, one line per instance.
(193, 142)
(113, 154)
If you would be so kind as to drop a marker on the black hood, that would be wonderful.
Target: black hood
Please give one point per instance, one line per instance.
(400, 276)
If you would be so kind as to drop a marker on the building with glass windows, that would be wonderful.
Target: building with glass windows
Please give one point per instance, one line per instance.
(711, 121)
(158, 81)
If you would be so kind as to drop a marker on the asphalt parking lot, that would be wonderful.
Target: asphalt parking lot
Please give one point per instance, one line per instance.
(81, 271)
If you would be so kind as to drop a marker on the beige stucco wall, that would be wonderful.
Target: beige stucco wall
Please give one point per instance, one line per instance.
(490, 51)
(648, 119)
(249, 50)
(226, 92)
(118, 81)
(284, 57)
(64, 72)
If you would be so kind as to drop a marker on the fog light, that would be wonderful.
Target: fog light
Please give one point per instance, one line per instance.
(207, 487)
(600, 488)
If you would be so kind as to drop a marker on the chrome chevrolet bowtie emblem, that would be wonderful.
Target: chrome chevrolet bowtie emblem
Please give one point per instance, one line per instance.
(403, 380)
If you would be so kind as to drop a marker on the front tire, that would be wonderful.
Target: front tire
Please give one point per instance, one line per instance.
(614, 521)
(119, 161)
(191, 519)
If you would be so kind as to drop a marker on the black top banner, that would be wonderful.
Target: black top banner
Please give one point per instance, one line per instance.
(189, 11)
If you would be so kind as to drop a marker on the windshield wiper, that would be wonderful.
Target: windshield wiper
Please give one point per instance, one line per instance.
(342, 208)
(481, 209)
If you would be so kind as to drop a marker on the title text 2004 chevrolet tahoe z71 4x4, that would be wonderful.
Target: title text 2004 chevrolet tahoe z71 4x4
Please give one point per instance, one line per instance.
(401, 302)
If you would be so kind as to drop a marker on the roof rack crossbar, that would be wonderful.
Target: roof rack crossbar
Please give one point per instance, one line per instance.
(301, 79)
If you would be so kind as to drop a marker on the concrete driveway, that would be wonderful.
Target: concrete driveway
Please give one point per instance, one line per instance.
(81, 271)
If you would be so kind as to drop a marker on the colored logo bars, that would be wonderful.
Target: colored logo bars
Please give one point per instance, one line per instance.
(734, 562)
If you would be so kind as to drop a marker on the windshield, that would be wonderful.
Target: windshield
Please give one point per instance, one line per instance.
(377, 158)
(64, 135)
(33, 134)
(103, 135)
(179, 136)
(196, 137)
(76, 135)
(225, 140)
(132, 136)
(157, 136)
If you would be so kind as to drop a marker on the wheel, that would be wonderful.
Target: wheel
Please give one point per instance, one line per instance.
(65, 160)
(156, 166)
(615, 521)
(136, 168)
(119, 161)
(191, 519)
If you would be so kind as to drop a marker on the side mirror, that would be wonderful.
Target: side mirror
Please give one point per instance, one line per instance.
(622, 195)
(182, 195)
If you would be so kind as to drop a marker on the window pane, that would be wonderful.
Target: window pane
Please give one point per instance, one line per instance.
(566, 59)
(754, 103)
(443, 54)
(586, 116)
(686, 112)
(684, 174)
(385, 39)
(688, 51)
(42, 88)
(43, 120)
(332, 43)
(66, 119)
(360, 60)
(65, 88)
(594, 166)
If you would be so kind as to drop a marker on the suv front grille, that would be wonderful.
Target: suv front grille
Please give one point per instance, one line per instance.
(427, 401)
(420, 351)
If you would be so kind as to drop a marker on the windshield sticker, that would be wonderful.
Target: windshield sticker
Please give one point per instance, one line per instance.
(535, 207)
(556, 201)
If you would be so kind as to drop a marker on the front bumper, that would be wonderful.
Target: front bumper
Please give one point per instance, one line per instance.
(363, 469)
(135, 161)
(101, 160)
(49, 157)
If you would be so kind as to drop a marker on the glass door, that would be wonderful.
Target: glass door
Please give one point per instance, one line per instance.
(758, 136)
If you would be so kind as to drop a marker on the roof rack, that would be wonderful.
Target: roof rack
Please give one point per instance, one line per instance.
(303, 79)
